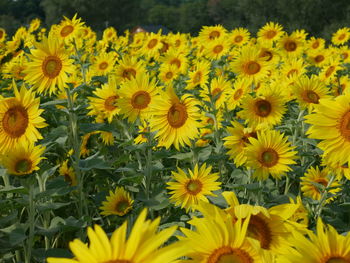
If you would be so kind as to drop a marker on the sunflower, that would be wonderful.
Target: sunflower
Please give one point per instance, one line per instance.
(86, 144)
(268, 108)
(103, 63)
(200, 76)
(68, 28)
(250, 65)
(269, 154)
(210, 33)
(239, 36)
(203, 140)
(49, 66)
(326, 246)
(291, 45)
(309, 91)
(2, 34)
(315, 43)
(179, 40)
(241, 87)
(177, 58)
(105, 103)
(68, 173)
(19, 119)
(152, 46)
(218, 91)
(110, 34)
(175, 120)
(137, 97)
(23, 159)
(237, 142)
(188, 190)
(344, 52)
(341, 36)
(34, 25)
(15, 68)
(322, 177)
(329, 71)
(144, 245)
(128, 67)
(167, 73)
(293, 68)
(216, 49)
(118, 203)
(319, 57)
(270, 32)
(301, 214)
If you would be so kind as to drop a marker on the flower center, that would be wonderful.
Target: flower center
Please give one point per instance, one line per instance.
(341, 37)
(322, 181)
(15, 121)
(310, 96)
(229, 255)
(262, 108)
(215, 92)
(268, 157)
(344, 55)
(329, 71)
(266, 54)
(319, 58)
(292, 72)
(238, 39)
(217, 49)
(51, 66)
(140, 99)
(121, 206)
(271, 34)
(344, 126)
(67, 178)
(214, 34)
(103, 65)
(177, 115)
(238, 94)
(110, 103)
(259, 230)
(23, 166)
(176, 62)
(251, 68)
(129, 73)
(197, 77)
(315, 45)
(152, 43)
(290, 46)
(1, 34)
(67, 30)
(169, 75)
(337, 260)
(193, 187)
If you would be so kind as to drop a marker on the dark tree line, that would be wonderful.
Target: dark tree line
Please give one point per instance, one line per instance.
(319, 17)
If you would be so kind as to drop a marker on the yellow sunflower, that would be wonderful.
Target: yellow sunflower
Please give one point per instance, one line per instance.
(218, 91)
(137, 97)
(152, 46)
(210, 33)
(329, 71)
(321, 177)
(291, 45)
(309, 91)
(128, 67)
(19, 119)
(315, 43)
(270, 32)
(110, 34)
(331, 124)
(49, 66)
(241, 87)
(68, 28)
(319, 57)
(23, 159)
(175, 120)
(104, 104)
(269, 154)
(68, 173)
(189, 189)
(293, 68)
(341, 36)
(103, 63)
(239, 36)
(268, 108)
(200, 75)
(250, 65)
(118, 203)
(216, 49)
(326, 246)
(217, 240)
(176, 58)
(344, 52)
(168, 72)
(143, 245)
(2, 34)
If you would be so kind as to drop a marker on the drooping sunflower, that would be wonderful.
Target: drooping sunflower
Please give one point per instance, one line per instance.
(268, 108)
(104, 105)
(269, 154)
(200, 75)
(326, 246)
(143, 245)
(175, 120)
(309, 91)
(23, 159)
(250, 65)
(239, 36)
(341, 36)
(103, 63)
(68, 29)
(128, 67)
(137, 97)
(68, 173)
(270, 32)
(189, 189)
(118, 203)
(321, 177)
(49, 66)
(20, 119)
(217, 240)
(331, 124)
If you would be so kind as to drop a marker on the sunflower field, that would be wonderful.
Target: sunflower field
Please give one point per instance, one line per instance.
(226, 147)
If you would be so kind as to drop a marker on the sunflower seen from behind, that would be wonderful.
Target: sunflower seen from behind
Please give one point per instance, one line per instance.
(49, 66)
(175, 120)
(270, 154)
(118, 203)
(20, 119)
(144, 244)
(190, 188)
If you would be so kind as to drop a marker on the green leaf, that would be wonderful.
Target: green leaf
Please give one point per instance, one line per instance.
(182, 156)
(94, 162)
(53, 102)
(50, 206)
(12, 189)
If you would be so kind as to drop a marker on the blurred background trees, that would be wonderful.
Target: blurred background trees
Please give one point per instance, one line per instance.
(318, 17)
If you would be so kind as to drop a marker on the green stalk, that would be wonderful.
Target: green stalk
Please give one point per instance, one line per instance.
(31, 222)
(46, 215)
(323, 197)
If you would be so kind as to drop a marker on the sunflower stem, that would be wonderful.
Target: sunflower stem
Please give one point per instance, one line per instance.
(286, 189)
(323, 197)
(31, 222)
(76, 147)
